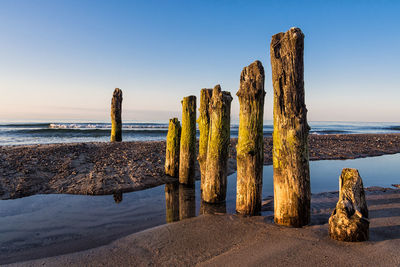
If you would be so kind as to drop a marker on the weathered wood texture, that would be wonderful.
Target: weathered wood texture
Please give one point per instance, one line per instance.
(172, 202)
(187, 201)
(204, 125)
(116, 120)
(290, 137)
(214, 185)
(187, 153)
(250, 154)
(349, 221)
(208, 208)
(172, 148)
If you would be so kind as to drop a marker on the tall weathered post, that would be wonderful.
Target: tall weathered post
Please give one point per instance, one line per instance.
(290, 137)
(204, 125)
(172, 148)
(172, 202)
(214, 185)
(187, 155)
(250, 147)
(116, 121)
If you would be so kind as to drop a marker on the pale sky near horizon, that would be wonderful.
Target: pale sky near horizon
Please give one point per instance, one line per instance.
(61, 60)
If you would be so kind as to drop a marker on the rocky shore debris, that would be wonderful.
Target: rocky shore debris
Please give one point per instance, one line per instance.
(349, 221)
(105, 168)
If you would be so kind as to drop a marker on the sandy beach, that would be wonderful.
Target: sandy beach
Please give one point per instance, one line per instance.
(230, 240)
(106, 168)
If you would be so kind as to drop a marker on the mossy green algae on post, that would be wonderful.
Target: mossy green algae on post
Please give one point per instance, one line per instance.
(250, 147)
(204, 125)
(214, 185)
(290, 136)
(116, 120)
(172, 148)
(187, 155)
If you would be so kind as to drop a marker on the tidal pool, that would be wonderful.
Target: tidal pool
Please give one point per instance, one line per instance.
(47, 225)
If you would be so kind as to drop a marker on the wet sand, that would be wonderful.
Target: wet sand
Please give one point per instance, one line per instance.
(230, 240)
(106, 168)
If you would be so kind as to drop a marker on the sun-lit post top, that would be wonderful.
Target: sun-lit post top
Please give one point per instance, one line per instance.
(116, 120)
(290, 136)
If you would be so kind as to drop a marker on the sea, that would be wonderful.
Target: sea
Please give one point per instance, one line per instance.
(27, 133)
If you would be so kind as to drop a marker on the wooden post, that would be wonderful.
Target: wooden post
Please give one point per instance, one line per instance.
(172, 202)
(207, 208)
(172, 148)
(187, 201)
(250, 147)
(290, 137)
(187, 156)
(214, 186)
(349, 221)
(116, 121)
(204, 125)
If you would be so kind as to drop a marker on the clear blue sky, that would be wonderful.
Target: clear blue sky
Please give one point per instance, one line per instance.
(62, 59)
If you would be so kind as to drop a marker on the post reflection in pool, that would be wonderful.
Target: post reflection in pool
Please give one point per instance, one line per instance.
(172, 202)
(180, 202)
(117, 197)
(187, 201)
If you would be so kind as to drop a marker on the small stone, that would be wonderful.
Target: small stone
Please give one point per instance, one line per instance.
(349, 221)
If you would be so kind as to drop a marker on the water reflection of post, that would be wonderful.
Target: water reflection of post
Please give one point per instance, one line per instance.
(172, 202)
(206, 208)
(187, 201)
(117, 197)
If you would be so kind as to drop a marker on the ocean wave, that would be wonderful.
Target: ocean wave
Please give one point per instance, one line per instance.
(80, 126)
(393, 128)
(329, 131)
(25, 125)
(83, 132)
